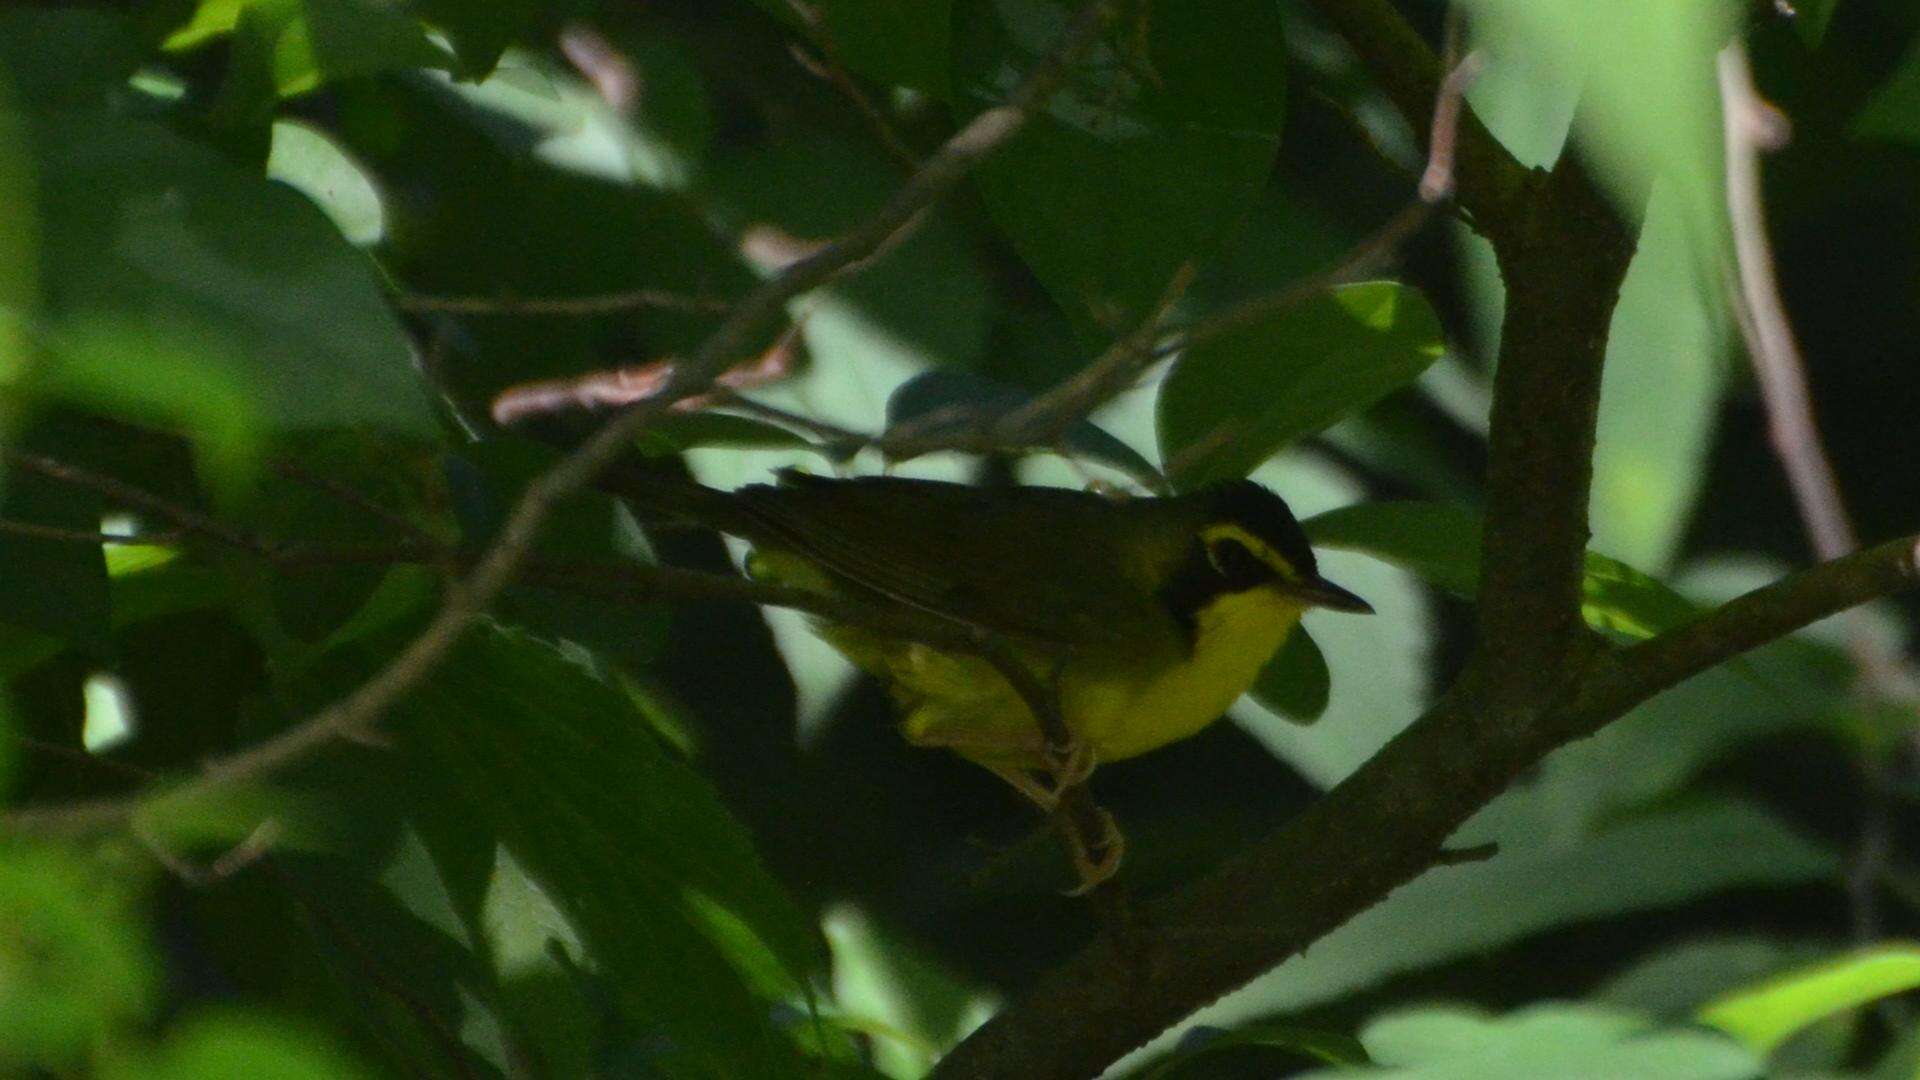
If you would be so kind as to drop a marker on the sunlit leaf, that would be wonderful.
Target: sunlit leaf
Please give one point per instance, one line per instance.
(1235, 401)
(307, 160)
(75, 965)
(1651, 104)
(1765, 1016)
(1560, 1040)
(909, 1006)
(1660, 395)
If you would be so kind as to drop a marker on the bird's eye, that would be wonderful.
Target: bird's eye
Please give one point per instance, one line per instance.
(1241, 568)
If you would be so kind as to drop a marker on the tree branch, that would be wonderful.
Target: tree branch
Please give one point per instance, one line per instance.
(1378, 829)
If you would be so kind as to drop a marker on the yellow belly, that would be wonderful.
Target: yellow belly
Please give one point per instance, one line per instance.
(1235, 637)
(1120, 706)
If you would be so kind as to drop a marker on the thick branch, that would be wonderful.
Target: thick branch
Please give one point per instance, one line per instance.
(1562, 256)
(1378, 829)
(1631, 677)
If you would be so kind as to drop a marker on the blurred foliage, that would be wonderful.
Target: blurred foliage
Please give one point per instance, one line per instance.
(265, 265)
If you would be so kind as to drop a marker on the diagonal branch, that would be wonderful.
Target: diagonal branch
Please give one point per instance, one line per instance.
(1378, 829)
(1763, 615)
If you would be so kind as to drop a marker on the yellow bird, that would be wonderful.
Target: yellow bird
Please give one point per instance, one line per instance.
(1149, 616)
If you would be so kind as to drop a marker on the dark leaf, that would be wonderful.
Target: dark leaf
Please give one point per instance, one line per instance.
(1159, 141)
(1295, 683)
(939, 403)
(627, 841)
(1233, 402)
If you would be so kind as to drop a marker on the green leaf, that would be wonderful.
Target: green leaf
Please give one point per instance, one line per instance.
(893, 42)
(1767, 1015)
(678, 431)
(1811, 19)
(1675, 980)
(231, 1042)
(629, 843)
(1660, 394)
(1441, 543)
(1207, 1052)
(59, 59)
(1894, 111)
(480, 33)
(7, 745)
(1235, 401)
(188, 294)
(1438, 541)
(295, 46)
(1548, 872)
(1650, 103)
(1160, 140)
(1296, 683)
(943, 402)
(53, 587)
(75, 965)
(309, 161)
(926, 302)
(589, 527)
(910, 1007)
(1559, 1040)
(1665, 378)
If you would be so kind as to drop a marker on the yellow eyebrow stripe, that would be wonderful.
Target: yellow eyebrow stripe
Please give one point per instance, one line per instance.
(1260, 548)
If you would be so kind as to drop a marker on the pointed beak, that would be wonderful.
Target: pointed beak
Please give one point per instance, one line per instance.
(1321, 593)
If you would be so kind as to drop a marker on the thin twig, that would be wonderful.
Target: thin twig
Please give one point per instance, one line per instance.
(82, 536)
(124, 494)
(348, 495)
(596, 304)
(1753, 125)
(1363, 257)
(832, 69)
(1436, 182)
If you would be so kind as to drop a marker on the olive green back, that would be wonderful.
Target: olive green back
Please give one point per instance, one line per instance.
(1047, 564)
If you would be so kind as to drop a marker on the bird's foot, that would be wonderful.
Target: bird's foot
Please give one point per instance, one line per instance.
(1070, 765)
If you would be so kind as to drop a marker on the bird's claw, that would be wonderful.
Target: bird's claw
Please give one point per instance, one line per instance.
(1094, 870)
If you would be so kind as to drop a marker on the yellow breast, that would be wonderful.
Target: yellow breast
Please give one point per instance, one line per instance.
(1234, 638)
(1121, 706)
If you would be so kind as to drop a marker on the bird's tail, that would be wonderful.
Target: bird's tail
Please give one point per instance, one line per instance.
(660, 494)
